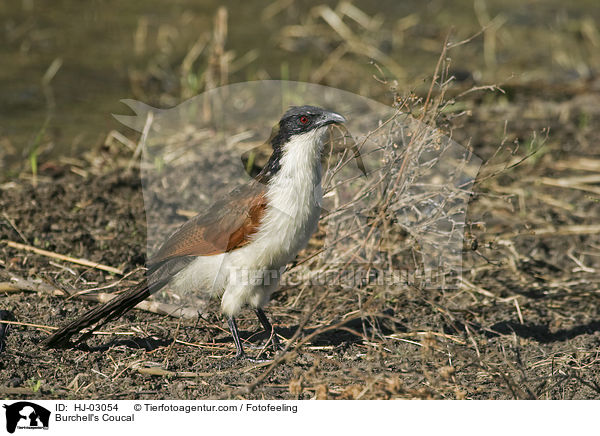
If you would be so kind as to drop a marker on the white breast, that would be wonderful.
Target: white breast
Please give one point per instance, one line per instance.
(294, 201)
(251, 273)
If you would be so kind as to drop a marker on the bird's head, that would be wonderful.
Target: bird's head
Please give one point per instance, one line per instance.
(298, 136)
(302, 120)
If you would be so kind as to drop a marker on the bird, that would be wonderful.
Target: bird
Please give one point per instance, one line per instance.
(238, 247)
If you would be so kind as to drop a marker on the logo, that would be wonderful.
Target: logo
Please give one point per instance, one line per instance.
(26, 415)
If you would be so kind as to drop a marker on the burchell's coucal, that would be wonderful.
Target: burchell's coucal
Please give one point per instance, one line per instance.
(239, 246)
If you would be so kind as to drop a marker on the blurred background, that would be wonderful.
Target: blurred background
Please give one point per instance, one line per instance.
(66, 65)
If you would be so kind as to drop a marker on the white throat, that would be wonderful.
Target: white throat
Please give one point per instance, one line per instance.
(299, 176)
(294, 196)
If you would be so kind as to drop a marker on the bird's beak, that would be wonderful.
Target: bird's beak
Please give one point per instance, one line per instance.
(330, 118)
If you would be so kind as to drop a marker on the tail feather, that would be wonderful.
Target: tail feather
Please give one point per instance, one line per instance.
(106, 312)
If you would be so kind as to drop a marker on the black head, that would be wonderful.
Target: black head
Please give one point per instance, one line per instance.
(296, 121)
(302, 119)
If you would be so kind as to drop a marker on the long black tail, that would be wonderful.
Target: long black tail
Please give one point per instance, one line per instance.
(108, 311)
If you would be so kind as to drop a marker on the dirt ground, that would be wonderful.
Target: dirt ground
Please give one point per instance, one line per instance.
(524, 324)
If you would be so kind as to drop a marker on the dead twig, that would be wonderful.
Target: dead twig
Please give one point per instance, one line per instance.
(79, 261)
(14, 226)
(592, 229)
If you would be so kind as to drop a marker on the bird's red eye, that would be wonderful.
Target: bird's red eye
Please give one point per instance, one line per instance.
(304, 119)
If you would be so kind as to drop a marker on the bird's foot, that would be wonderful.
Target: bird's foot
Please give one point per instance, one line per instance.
(276, 345)
(273, 343)
(243, 357)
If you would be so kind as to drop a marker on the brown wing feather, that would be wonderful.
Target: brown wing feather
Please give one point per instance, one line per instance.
(225, 226)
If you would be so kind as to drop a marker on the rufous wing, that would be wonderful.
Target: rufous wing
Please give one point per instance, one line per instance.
(225, 226)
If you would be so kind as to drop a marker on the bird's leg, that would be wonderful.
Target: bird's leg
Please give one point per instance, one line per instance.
(268, 328)
(236, 338)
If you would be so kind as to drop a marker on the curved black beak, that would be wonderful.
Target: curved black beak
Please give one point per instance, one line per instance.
(328, 117)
